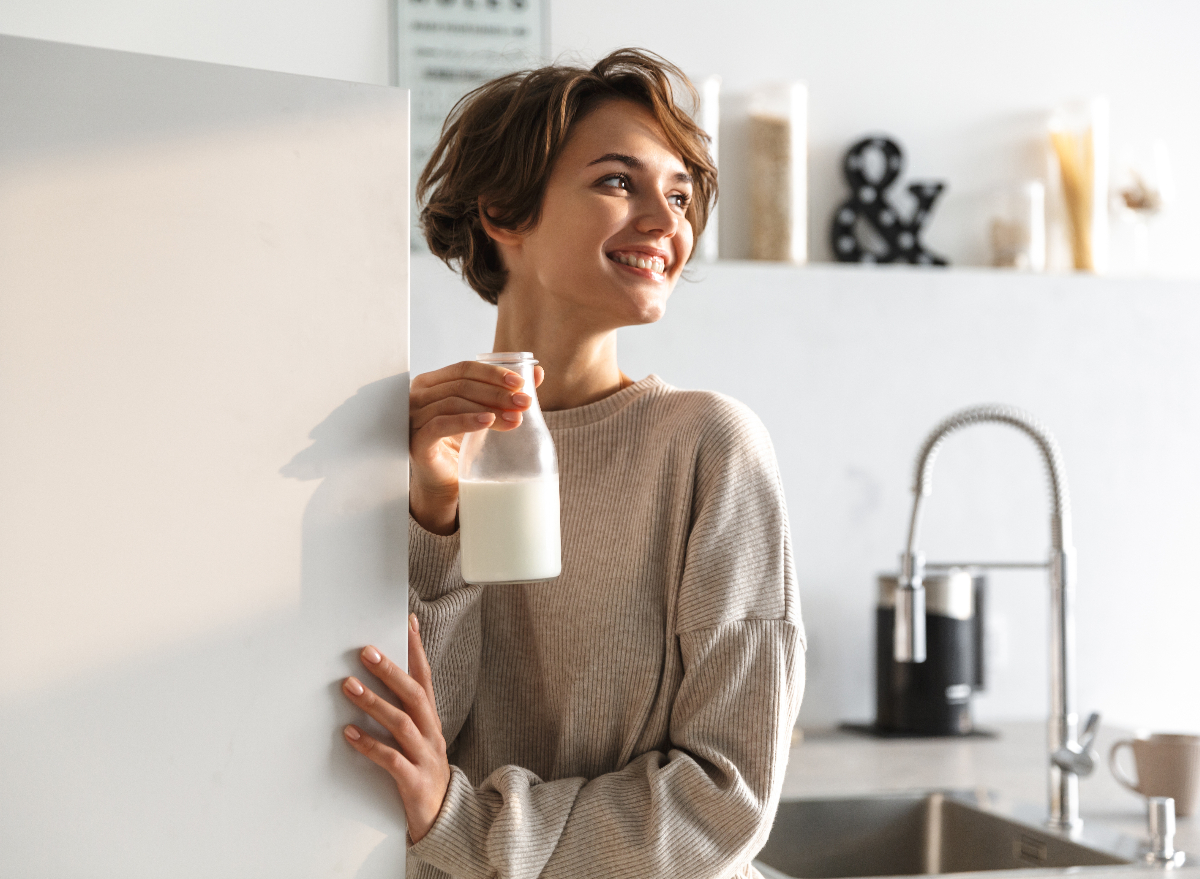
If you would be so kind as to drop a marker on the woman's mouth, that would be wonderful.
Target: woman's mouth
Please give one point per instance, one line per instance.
(655, 265)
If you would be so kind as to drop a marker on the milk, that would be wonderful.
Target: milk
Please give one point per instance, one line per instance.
(509, 530)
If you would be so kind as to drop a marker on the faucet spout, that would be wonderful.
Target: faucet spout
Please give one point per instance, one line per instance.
(909, 633)
(1068, 759)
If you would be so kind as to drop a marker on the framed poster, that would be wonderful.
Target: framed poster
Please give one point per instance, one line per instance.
(446, 48)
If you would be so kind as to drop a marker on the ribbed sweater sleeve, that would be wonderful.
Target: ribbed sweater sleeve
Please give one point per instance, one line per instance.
(447, 612)
(701, 805)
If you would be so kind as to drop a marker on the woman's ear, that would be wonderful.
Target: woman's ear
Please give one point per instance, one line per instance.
(496, 233)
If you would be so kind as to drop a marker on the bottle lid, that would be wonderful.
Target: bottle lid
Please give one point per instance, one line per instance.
(507, 357)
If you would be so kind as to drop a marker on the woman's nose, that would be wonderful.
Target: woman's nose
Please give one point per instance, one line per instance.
(657, 215)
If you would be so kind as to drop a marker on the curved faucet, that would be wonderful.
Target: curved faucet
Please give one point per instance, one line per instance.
(1069, 757)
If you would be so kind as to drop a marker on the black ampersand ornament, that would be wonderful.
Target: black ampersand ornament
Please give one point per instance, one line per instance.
(900, 239)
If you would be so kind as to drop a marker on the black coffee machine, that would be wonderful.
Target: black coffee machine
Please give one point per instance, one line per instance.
(931, 698)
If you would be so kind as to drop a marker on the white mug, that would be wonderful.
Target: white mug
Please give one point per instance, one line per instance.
(1168, 765)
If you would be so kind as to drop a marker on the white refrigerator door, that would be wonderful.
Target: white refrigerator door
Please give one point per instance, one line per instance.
(203, 473)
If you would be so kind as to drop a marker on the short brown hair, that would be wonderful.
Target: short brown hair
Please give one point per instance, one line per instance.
(500, 143)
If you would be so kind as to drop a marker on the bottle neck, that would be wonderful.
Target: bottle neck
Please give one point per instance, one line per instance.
(523, 366)
(525, 369)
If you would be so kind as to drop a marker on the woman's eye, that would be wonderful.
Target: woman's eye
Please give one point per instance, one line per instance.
(680, 199)
(616, 181)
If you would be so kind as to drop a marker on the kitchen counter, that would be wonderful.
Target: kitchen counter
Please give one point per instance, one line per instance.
(1011, 768)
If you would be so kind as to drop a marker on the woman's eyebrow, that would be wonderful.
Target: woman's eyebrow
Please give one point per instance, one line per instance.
(636, 164)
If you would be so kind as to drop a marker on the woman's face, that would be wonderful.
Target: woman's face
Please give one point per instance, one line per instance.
(612, 238)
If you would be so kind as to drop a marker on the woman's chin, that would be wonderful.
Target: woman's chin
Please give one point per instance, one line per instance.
(645, 311)
(653, 312)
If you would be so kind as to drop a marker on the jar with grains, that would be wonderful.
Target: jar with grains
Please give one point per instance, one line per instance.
(778, 173)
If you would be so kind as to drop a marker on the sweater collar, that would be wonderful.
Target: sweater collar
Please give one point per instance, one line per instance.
(601, 409)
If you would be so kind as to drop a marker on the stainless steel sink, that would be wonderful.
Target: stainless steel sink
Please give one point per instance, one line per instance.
(911, 834)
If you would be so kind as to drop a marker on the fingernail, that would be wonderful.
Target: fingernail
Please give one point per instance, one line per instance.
(352, 734)
(511, 416)
(512, 380)
(371, 654)
(484, 418)
(354, 686)
(412, 622)
(522, 399)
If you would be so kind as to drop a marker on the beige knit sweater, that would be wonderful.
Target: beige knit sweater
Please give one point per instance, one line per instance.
(633, 717)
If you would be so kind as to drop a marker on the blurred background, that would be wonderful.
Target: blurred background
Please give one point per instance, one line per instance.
(966, 89)
(850, 366)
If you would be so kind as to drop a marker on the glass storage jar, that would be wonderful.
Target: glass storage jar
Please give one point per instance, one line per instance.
(508, 506)
(778, 128)
(1018, 226)
(1079, 138)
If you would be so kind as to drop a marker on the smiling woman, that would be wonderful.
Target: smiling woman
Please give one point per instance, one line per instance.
(631, 717)
(503, 141)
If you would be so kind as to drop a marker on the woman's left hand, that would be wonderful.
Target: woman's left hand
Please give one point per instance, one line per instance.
(419, 766)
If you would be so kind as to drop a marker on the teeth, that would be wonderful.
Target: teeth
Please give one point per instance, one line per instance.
(653, 263)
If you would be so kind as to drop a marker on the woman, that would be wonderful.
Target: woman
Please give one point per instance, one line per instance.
(632, 717)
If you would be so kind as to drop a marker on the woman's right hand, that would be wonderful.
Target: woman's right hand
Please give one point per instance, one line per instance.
(443, 406)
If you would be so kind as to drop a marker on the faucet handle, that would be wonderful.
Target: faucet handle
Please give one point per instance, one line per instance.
(1080, 758)
(1090, 729)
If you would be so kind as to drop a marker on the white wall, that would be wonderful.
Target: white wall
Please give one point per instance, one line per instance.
(346, 39)
(965, 87)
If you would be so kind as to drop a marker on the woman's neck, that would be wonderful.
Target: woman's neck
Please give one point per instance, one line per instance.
(580, 363)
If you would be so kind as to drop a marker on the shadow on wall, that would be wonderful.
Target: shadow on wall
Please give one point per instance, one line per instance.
(360, 451)
(355, 550)
(188, 721)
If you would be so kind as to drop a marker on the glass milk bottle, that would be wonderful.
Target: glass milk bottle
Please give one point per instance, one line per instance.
(508, 510)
